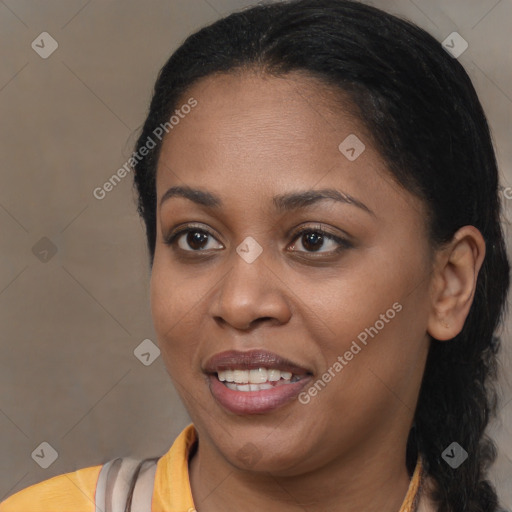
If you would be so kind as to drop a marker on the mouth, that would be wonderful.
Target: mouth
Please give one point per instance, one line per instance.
(254, 382)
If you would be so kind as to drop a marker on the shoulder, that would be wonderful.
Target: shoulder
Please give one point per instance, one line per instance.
(76, 491)
(70, 491)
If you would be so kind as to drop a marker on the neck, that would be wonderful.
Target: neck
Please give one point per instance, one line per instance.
(374, 481)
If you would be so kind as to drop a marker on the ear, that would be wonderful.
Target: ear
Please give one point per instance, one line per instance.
(454, 282)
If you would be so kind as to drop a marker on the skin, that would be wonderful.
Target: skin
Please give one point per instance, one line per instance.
(252, 137)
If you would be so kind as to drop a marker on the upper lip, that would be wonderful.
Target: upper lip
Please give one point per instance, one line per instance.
(251, 360)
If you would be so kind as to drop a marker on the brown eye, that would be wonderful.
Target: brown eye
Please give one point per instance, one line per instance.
(312, 241)
(193, 240)
(319, 241)
(196, 239)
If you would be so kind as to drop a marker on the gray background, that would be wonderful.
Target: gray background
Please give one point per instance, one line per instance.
(69, 325)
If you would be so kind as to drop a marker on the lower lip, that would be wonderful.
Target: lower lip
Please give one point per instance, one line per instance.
(255, 402)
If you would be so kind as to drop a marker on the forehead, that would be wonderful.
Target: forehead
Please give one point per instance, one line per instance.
(251, 138)
(252, 124)
(292, 106)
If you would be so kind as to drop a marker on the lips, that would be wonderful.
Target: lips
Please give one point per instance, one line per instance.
(251, 360)
(255, 381)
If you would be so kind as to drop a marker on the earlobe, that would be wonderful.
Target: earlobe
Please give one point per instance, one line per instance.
(454, 282)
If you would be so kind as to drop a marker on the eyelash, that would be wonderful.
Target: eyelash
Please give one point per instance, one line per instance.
(343, 243)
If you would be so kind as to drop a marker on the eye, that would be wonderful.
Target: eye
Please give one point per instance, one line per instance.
(318, 240)
(307, 240)
(196, 239)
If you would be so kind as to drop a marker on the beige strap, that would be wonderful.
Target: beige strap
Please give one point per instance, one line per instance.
(115, 481)
(143, 492)
(101, 487)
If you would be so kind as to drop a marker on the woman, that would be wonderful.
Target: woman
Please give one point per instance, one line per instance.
(320, 196)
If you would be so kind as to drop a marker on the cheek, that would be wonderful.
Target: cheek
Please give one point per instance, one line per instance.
(380, 303)
(177, 305)
(345, 304)
(173, 296)
(375, 343)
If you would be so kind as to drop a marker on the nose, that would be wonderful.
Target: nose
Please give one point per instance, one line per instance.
(250, 294)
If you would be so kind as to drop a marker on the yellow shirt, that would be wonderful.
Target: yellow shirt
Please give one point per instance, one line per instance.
(74, 492)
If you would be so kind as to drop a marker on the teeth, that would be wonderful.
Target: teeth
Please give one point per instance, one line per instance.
(274, 375)
(258, 376)
(259, 387)
(248, 387)
(241, 376)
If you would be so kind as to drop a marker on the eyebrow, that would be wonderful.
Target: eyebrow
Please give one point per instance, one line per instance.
(283, 202)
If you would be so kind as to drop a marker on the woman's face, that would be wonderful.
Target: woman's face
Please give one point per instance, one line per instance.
(328, 326)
